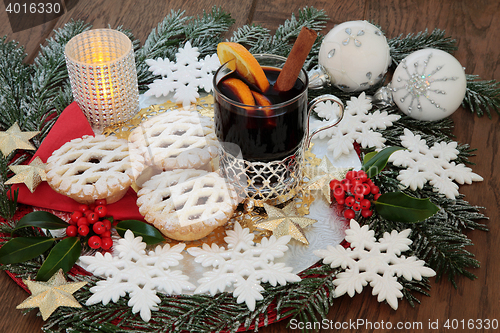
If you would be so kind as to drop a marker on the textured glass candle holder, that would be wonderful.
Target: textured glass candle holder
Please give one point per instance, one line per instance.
(103, 76)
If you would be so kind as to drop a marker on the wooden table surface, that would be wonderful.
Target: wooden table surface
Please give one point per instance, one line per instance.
(476, 27)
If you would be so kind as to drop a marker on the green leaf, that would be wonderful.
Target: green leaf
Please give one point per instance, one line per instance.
(369, 156)
(150, 235)
(399, 207)
(63, 255)
(373, 164)
(41, 219)
(21, 249)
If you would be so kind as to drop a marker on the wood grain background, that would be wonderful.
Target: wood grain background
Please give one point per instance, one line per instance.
(476, 27)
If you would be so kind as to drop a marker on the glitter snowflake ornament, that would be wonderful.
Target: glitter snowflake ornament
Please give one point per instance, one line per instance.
(379, 263)
(142, 275)
(358, 125)
(429, 84)
(185, 77)
(243, 265)
(431, 165)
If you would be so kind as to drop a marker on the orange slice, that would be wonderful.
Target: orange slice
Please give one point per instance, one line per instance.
(246, 64)
(240, 90)
(262, 100)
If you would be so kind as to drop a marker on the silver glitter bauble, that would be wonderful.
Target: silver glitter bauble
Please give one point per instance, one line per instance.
(429, 84)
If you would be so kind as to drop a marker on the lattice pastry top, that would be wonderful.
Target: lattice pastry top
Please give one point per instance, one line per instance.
(91, 168)
(187, 204)
(173, 140)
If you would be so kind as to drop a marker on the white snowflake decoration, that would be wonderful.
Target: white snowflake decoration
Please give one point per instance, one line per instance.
(137, 273)
(183, 77)
(431, 164)
(243, 265)
(377, 262)
(357, 125)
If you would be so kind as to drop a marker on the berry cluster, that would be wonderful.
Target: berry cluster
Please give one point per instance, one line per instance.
(355, 192)
(91, 221)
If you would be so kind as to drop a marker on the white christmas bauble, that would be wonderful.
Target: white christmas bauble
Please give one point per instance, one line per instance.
(429, 84)
(355, 55)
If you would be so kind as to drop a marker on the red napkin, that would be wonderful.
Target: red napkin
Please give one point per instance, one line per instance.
(71, 124)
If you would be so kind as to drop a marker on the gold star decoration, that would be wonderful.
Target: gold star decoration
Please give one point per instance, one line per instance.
(13, 139)
(286, 221)
(50, 295)
(31, 175)
(320, 177)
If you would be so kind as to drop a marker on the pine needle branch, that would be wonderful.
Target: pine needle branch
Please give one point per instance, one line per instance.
(282, 41)
(205, 32)
(403, 46)
(482, 96)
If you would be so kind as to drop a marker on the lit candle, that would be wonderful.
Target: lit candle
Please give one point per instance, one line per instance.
(103, 76)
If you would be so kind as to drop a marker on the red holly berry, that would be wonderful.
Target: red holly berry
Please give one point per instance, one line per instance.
(99, 228)
(341, 202)
(374, 189)
(92, 207)
(92, 217)
(349, 214)
(358, 188)
(366, 213)
(107, 233)
(334, 183)
(75, 216)
(339, 193)
(83, 208)
(100, 202)
(362, 175)
(365, 204)
(349, 175)
(346, 184)
(82, 221)
(358, 197)
(94, 242)
(376, 196)
(101, 211)
(366, 189)
(107, 224)
(349, 201)
(356, 206)
(71, 231)
(356, 184)
(106, 242)
(83, 230)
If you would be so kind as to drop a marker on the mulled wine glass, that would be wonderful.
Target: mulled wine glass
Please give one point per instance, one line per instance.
(263, 146)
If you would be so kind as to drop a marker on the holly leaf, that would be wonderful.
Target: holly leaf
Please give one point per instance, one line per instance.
(41, 219)
(21, 249)
(399, 207)
(368, 156)
(150, 235)
(63, 255)
(373, 164)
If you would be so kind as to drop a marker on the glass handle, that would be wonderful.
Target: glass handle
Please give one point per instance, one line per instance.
(332, 123)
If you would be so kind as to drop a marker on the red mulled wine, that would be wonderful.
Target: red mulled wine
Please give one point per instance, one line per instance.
(263, 133)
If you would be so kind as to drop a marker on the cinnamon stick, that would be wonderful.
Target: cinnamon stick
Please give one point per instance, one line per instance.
(296, 58)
